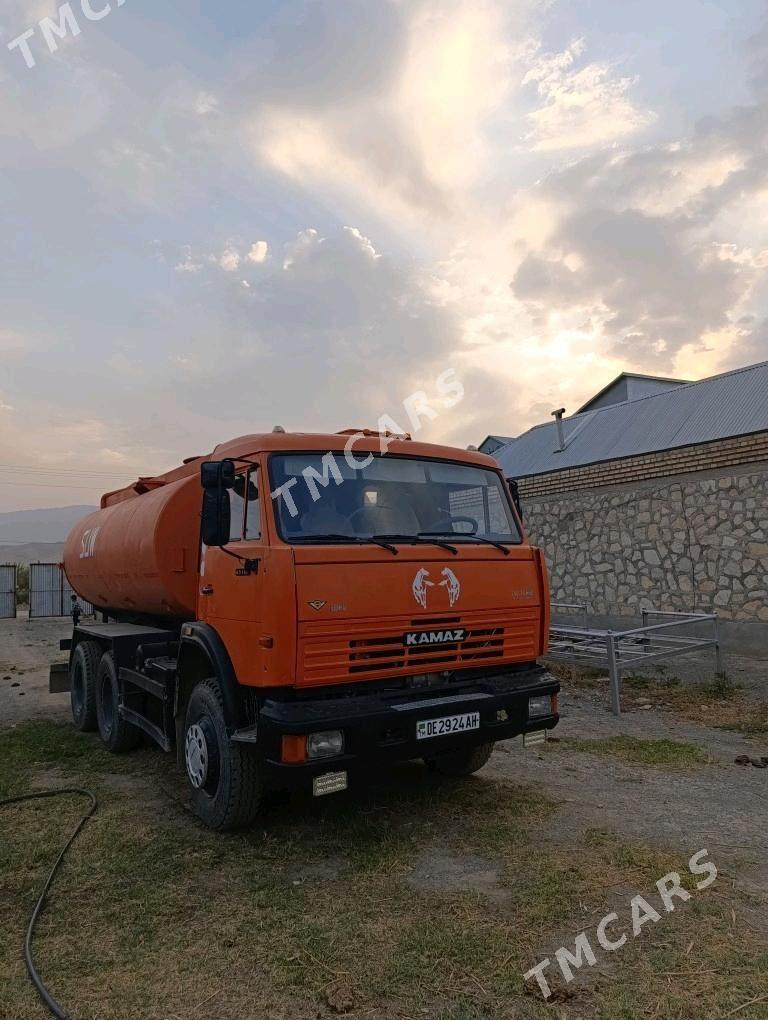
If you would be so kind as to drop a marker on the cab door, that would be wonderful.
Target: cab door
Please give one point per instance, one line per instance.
(232, 580)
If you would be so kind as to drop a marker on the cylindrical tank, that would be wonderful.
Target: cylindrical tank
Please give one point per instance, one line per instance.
(139, 556)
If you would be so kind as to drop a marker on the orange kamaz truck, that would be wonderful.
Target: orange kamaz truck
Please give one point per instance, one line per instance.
(297, 610)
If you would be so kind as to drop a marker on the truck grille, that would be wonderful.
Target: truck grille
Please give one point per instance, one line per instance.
(329, 655)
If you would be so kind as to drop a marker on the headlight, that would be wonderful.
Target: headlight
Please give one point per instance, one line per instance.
(324, 745)
(539, 706)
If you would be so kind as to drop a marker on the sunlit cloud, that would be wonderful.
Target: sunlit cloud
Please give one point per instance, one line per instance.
(305, 227)
(582, 106)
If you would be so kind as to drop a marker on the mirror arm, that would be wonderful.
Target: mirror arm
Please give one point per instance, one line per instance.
(514, 490)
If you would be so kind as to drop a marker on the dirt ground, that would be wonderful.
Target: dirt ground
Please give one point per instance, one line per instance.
(724, 808)
(27, 648)
(600, 797)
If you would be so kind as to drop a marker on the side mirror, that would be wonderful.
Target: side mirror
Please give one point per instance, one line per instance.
(217, 474)
(216, 478)
(514, 491)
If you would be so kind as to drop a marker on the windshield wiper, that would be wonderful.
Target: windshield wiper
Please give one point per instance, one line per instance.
(421, 538)
(379, 540)
(332, 536)
(470, 538)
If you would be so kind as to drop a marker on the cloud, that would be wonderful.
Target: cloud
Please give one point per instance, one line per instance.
(658, 248)
(19, 15)
(258, 252)
(405, 131)
(228, 260)
(205, 103)
(67, 438)
(188, 266)
(507, 213)
(582, 107)
(335, 333)
(12, 343)
(655, 286)
(110, 456)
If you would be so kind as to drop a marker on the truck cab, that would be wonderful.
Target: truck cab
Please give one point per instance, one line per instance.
(358, 599)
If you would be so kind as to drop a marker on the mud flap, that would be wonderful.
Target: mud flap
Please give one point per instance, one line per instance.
(58, 678)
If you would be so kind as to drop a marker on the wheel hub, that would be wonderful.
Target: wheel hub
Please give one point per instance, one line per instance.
(196, 754)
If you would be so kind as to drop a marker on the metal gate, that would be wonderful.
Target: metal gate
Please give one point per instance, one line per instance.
(7, 591)
(50, 593)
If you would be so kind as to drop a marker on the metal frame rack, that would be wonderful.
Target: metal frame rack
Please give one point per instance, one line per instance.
(619, 650)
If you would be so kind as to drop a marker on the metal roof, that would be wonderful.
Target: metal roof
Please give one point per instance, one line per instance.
(732, 404)
(634, 384)
(491, 443)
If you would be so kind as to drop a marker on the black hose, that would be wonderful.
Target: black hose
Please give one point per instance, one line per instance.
(49, 1001)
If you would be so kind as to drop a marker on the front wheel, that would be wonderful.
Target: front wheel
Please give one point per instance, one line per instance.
(460, 763)
(222, 775)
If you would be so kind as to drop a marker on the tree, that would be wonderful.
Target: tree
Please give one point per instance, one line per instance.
(22, 585)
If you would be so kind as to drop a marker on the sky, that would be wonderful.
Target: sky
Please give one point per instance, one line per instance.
(221, 217)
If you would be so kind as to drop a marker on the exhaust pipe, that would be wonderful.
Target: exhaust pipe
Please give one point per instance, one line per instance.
(558, 416)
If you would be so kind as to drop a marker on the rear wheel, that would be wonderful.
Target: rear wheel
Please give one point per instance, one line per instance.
(222, 775)
(116, 734)
(463, 762)
(82, 684)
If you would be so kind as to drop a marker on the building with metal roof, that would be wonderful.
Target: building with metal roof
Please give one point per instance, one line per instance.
(656, 501)
(684, 414)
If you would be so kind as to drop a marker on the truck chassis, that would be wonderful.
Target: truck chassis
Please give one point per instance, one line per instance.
(177, 686)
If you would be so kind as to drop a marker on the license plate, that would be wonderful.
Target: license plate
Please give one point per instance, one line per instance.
(534, 738)
(447, 724)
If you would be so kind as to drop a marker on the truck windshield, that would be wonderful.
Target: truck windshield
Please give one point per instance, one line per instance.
(324, 498)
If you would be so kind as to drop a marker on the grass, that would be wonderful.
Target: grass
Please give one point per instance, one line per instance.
(37, 745)
(653, 753)
(719, 703)
(314, 913)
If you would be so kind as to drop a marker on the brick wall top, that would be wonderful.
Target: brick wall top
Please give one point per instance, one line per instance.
(721, 453)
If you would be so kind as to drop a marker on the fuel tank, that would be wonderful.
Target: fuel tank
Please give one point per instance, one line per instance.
(139, 556)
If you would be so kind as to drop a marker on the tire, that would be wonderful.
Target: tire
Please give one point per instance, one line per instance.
(461, 763)
(116, 734)
(82, 685)
(222, 775)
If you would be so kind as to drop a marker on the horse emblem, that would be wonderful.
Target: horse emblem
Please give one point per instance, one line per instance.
(451, 582)
(421, 586)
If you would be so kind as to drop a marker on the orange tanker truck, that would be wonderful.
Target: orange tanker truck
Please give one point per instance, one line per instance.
(297, 610)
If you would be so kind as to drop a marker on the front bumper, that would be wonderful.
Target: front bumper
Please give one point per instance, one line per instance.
(381, 727)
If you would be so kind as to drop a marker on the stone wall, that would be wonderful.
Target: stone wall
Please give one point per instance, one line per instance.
(696, 541)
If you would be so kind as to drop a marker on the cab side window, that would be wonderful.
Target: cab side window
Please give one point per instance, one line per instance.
(252, 506)
(237, 508)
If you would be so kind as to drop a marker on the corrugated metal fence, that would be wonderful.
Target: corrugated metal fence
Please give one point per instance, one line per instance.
(50, 593)
(7, 591)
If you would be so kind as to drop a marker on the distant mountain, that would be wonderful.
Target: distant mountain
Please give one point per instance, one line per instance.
(32, 552)
(49, 525)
